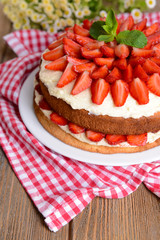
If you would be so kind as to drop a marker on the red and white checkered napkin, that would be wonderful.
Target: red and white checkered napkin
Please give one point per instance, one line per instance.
(59, 186)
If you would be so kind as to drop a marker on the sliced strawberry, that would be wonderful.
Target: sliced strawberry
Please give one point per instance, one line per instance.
(55, 44)
(140, 73)
(87, 24)
(58, 64)
(156, 60)
(82, 83)
(99, 90)
(136, 60)
(119, 91)
(122, 51)
(75, 128)
(107, 51)
(104, 61)
(71, 35)
(119, 21)
(151, 29)
(80, 30)
(56, 118)
(85, 67)
(151, 67)
(138, 52)
(38, 89)
(156, 49)
(83, 40)
(61, 36)
(137, 140)
(54, 54)
(44, 105)
(140, 25)
(153, 39)
(112, 44)
(68, 76)
(71, 48)
(115, 139)
(94, 45)
(120, 63)
(94, 136)
(76, 61)
(128, 74)
(139, 91)
(100, 72)
(114, 75)
(127, 24)
(69, 29)
(91, 54)
(154, 84)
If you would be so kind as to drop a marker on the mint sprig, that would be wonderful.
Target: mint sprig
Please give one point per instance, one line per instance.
(107, 31)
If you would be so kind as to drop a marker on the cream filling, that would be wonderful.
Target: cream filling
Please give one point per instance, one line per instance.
(83, 100)
(151, 137)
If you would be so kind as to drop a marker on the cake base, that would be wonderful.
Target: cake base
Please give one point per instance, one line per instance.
(57, 132)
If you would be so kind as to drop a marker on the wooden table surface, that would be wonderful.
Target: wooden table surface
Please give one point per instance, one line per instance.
(135, 217)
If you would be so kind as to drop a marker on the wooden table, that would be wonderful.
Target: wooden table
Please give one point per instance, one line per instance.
(135, 217)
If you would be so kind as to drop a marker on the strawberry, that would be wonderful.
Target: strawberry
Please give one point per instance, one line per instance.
(76, 61)
(94, 45)
(151, 29)
(44, 105)
(54, 54)
(71, 35)
(83, 40)
(58, 64)
(120, 63)
(90, 54)
(55, 44)
(156, 49)
(119, 91)
(87, 24)
(139, 91)
(69, 29)
(127, 24)
(119, 21)
(57, 119)
(122, 51)
(80, 30)
(137, 140)
(156, 60)
(153, 39)
(114, 75)
(68, 76)
(61, 36)
(154, 84)
(94, 136)
(138, 52)
(140, 25)
(136, 60)
(82, 83)
(84, 67)
(151, 67)
(99, 90)
(38, 89)
(128, 74)
(71, 48)
(107, 51)
(75, 128)
(100, 72)
(104, 61)
(115, 139)
(140, 73)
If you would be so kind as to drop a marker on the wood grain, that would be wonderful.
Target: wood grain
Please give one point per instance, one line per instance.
(135, 217)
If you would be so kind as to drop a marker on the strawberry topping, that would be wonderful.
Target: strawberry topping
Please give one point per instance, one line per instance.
(99, 90)
(94, 136)
(119, 91)
(137, 140)
(56, 118)
(154, 84)
(82, 83)
(115, 139)
(75, 128)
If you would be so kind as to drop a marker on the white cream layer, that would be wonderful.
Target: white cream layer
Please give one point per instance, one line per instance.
(83, 100)
(151, 137)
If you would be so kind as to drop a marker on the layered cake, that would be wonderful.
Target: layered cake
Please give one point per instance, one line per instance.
(102, 95)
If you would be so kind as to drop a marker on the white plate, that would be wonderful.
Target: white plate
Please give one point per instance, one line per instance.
(33, 125)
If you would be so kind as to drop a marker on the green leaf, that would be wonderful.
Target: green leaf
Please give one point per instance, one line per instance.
(106, 38)
(133, 38)
(111, 23)
(97, 29)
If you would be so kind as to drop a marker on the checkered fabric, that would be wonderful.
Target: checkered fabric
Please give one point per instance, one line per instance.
(60, 187)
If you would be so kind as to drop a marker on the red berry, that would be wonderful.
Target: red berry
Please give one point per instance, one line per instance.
(56, 118)
(75, 128)
(137, 140)
(94, 136)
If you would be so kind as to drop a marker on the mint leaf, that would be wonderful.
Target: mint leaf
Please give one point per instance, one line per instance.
(133, 38)
(106, 38)
(97, 29)
(111, 23)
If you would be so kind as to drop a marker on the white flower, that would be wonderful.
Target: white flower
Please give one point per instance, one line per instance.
(151, 3)
(103, 14)
(136, 14)
(67, 13)
(57, 24)
(128, 3)
(79, 13)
